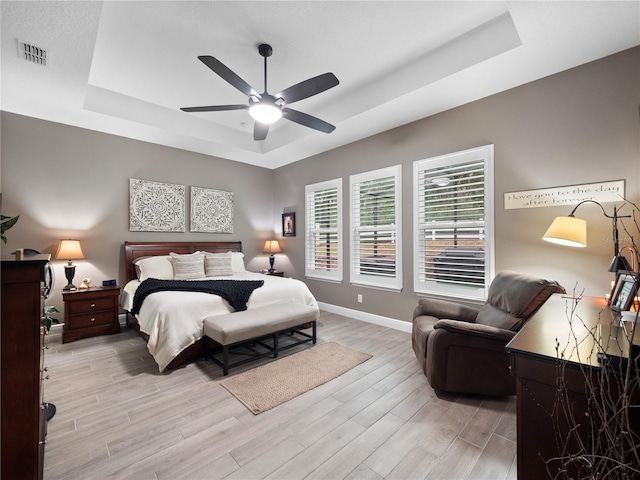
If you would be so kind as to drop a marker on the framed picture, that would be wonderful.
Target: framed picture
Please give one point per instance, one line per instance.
(624, 291)
(289, 224)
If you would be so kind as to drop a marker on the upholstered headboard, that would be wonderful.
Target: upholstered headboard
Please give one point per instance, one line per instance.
(133, 250)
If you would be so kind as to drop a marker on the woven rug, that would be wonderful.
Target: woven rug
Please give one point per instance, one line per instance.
(267, 386)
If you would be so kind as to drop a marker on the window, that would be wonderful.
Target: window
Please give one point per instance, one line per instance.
(453, 224)
(376, 228)
(323, 238)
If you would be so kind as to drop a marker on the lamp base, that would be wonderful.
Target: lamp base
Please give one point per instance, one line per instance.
(70, 272)
(271, 261)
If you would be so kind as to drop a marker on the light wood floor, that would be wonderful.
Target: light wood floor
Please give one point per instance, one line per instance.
(117, 417)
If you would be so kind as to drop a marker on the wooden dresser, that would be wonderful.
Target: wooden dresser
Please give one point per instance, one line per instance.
(535, 365)
(22, 333)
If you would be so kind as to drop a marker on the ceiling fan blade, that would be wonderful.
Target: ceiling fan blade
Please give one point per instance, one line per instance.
(260, 131)
(308, 88)
(218, 67)
(215, 108)
(307, 120)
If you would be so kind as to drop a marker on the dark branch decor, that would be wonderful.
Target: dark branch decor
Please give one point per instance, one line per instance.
(596, 439)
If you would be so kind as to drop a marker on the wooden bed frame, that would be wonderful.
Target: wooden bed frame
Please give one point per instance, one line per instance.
(134, 250)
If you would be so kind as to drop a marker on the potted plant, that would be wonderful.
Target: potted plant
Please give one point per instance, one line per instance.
(5, 224)
(48, 319)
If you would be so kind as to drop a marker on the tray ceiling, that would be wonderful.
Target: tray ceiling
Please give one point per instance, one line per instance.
(126, 67)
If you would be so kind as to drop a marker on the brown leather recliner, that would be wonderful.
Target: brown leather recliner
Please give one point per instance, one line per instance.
(462, 349)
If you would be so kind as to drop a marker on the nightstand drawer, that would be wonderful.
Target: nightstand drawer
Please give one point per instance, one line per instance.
(91, 320)
(89, 312)
(90, 305)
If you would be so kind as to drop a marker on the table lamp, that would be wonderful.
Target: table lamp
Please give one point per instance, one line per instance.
(69, 250)
(271, 247)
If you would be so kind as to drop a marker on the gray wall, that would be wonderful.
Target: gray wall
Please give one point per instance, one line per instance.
(67, 182)
(579, 126)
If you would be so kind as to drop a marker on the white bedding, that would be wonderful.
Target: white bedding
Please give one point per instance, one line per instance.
(173, 320)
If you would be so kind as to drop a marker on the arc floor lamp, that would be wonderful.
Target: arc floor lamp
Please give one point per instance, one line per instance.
(571, 231)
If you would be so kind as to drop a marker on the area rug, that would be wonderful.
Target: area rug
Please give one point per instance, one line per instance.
(270, 385)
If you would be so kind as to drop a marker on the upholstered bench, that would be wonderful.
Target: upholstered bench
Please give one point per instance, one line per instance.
(257, 325)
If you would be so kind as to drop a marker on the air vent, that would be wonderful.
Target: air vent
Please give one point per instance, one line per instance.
(33, 54)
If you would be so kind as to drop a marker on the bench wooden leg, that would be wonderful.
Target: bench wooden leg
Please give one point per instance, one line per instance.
(225, 360)
(275, 345)
(314, 332)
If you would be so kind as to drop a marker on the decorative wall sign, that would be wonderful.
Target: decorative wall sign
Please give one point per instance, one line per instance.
(156, 207)
(567, 195)
(211, 210)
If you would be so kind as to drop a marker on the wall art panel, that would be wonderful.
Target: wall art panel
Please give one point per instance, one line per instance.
(156, 207)
(211, 210)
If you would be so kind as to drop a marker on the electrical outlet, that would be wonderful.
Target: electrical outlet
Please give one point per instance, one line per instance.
(359, 298)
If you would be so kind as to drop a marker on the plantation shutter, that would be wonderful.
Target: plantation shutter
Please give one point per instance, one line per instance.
(376, 228)
(452, 249)
(323, 237)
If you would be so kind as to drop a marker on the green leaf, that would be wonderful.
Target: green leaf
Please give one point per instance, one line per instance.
(6, 223)
(48, 321)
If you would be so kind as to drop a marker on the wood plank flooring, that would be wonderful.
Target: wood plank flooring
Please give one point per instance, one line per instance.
(117, 417)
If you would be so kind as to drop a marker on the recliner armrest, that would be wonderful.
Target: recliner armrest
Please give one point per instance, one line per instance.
(466, 328)
(445, 309)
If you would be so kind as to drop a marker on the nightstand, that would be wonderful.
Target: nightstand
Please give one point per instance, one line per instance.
(89, 312)
(276, 274)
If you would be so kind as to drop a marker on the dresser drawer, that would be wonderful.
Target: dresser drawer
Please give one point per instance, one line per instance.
(90, 305)
(90, 319)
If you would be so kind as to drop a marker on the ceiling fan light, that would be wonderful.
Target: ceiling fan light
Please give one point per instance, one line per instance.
(265, 113)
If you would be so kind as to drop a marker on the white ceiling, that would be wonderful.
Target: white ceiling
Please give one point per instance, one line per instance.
(126, 67)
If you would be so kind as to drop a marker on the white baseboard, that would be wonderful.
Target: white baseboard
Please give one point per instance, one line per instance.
(347, 312)
(56, 328)
(367, 317)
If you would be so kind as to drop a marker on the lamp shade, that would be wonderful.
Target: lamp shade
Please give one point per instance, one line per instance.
(69, 250)
(271, 246)
(569, 231)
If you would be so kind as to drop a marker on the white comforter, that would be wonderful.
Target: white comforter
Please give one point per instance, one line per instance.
(173, 320)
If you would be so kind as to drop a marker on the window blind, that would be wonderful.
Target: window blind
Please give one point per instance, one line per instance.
(376, 228)
(452, 248)
(323, 237)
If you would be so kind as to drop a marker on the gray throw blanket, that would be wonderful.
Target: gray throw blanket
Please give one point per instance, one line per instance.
(236, 292)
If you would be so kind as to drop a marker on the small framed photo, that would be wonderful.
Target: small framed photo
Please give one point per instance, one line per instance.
(624, 291)
(289, 224)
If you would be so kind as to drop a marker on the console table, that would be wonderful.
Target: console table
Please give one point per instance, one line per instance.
(534, 363)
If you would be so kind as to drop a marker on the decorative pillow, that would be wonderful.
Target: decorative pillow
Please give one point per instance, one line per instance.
(237, 262)
(159, 267)
(188, 267)
(217, 264)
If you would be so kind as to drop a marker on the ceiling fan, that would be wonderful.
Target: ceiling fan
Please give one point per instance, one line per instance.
(264, 108)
